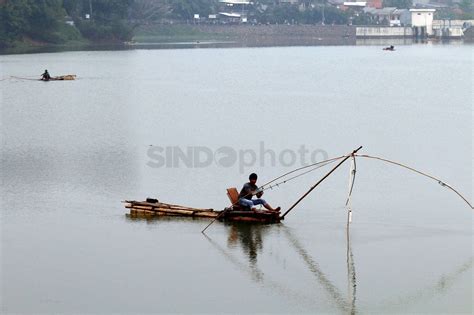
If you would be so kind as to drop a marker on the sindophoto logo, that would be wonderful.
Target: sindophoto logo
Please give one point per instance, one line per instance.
(226, 156)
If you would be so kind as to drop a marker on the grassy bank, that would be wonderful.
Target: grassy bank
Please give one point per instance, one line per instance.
(28, 46)
(64, 36)
(247, 34)
(174, 33)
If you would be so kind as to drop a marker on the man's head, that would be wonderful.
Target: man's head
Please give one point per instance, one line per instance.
(253, 178)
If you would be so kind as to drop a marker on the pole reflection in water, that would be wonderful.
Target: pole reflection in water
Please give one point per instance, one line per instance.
(249, 235)
(251, 239)
(336, 296)
(351, 274)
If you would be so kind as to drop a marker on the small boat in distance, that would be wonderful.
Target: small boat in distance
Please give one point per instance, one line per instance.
(389, 48)
(67, 77)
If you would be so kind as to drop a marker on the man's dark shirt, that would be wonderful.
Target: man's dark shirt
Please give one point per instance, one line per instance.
(247, 190)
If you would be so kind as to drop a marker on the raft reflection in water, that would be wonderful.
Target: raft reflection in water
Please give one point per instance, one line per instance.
(249, 236)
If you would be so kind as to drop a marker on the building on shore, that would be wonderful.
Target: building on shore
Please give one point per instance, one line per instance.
(447, 28)
(389, 16)
(421, 20)
(355, 5)
(234, 11)
(377, 4)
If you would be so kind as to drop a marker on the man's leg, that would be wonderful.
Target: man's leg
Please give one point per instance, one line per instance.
(261, 201)
(246, 203)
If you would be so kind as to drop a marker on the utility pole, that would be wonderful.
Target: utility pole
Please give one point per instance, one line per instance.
(323, 17)
(90, 9)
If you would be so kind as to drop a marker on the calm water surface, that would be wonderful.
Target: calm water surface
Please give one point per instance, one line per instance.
(71, 151)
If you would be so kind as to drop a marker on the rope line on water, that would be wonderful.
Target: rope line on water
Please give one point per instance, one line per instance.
(353, 170)
(302, 168)
(22, 78)
(442, 183)
(321, 164)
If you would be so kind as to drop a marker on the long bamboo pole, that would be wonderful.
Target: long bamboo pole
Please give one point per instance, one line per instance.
(319, 182)
(216, 218)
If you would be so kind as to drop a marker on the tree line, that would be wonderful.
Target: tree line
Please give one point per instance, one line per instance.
(44, 20)
(115, 20)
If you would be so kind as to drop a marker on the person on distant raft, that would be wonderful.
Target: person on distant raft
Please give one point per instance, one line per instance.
(45, 76)
(248, 191)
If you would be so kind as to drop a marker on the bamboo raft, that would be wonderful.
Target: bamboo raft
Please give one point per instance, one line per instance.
(67, 77)
(156, 208)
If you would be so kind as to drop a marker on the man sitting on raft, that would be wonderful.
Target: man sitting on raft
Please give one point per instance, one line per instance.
(45, 76)
(248, 191)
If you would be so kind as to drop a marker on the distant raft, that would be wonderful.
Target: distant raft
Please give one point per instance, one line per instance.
(67, 77)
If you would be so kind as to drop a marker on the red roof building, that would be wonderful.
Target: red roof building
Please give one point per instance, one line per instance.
(374, 4)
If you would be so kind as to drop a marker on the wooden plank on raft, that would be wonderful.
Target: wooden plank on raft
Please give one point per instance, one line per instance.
(165, 205)
(164, 209)
(144, 212)
(208, 214)
(147, 213)
(183, 212)
(185, 208)
(139, 207)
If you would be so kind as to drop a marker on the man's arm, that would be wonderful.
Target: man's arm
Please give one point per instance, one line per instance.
(248, 191)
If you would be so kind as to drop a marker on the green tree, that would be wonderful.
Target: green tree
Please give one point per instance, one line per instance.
(279, 14)
(468, 9)
(287, 13)
(150, 10)
(45, 19)
(185, 9)
(108, 18)
(335, 16)
(36, 19)
(14, 20)
(102, 10)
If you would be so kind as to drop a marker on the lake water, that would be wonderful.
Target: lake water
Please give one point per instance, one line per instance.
(73, 150)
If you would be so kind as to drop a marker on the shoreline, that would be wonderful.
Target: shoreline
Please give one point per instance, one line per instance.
(185, 36)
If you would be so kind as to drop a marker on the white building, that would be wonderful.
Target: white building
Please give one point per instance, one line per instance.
(355, 4)
(234, 11)
(421, 20)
